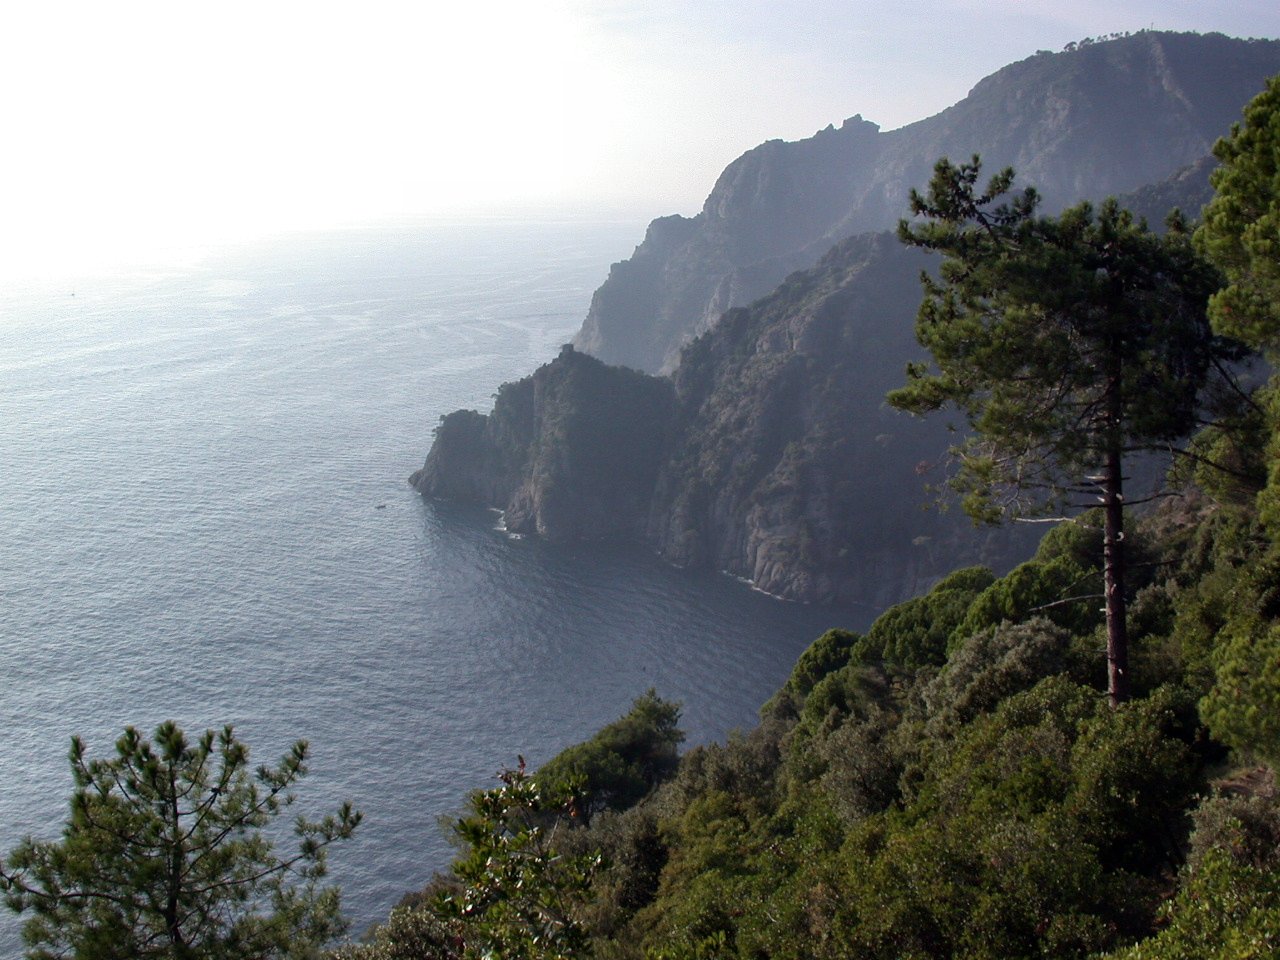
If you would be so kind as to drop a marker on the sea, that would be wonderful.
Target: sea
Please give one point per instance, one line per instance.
(205, 518)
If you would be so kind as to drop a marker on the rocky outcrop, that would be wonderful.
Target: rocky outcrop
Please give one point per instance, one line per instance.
(1103, 119)
(569, 453)
(769, 453)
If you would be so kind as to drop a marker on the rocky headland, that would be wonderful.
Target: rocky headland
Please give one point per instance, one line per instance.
(782, 314)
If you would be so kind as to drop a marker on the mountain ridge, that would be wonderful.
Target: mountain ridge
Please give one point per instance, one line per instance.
(1106, 118)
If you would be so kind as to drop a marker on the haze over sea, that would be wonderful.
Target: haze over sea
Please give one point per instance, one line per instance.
(205, 518)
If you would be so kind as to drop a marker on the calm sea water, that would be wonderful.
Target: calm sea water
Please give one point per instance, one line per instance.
(204, 517)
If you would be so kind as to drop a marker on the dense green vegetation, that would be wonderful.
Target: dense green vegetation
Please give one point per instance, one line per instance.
(1072, 344)
(954, 783)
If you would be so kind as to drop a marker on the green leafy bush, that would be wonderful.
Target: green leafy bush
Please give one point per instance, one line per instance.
(1060, 588)
(991, 666)
(1227, 911)
(916, 632)
(624, 760)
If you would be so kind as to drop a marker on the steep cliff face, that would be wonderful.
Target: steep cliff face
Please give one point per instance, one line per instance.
(788, 469)
(770, 455)
(568, 453)
(1104, 119)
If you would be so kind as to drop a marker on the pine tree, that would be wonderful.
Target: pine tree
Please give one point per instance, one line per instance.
(1071, 343)
(164, 855)
(1241, 228)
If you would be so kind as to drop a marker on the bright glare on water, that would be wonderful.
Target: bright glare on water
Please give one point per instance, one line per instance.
(205, 518)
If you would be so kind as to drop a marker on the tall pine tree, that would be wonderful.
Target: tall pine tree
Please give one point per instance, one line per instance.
(1071, 343)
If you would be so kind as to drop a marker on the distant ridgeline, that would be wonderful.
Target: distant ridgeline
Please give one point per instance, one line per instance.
(766, 449)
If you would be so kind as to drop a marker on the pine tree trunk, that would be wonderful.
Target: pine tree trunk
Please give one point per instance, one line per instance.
(1113, 579)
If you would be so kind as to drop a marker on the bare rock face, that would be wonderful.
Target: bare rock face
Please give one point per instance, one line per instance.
(1102, 119)
(568, 453)
(788, 469)
(769, 453)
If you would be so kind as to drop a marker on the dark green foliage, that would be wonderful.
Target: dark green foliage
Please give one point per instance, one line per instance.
(850, 691)
(1003, 850)
(520, 895)
(1134, 774)
(624, 760)
(827, 654)
(917, 632)
(1243, 707)
(514, 893)
(1269, 497)
(1227, 910)
(1227, 459)
(164, 855)
(634, 853)
(989, 803)
(1070, 343)
(1227, 626)
(1229, 904)
(862, 765)
(991, 666)
(410, 933)
(532, 846)
(1061, 338)
(854, 694)
(1241, 232)
(1243, 824)
(1079, 541)
(1059, 589)
(1241, 228)
(1154, 659)
(745, 767)
(842, 750)
(1227, 631)
(712, 874)
(1028, 827)
(1212, 568)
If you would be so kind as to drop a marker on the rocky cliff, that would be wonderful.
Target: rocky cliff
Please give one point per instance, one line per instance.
(788, 469)
(1103, 119)
(769, 452)
(769, 455)
(570, 452)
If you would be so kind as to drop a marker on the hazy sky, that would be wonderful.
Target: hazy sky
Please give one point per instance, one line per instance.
(136, 126)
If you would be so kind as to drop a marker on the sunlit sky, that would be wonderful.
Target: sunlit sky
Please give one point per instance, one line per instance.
(134, 129)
